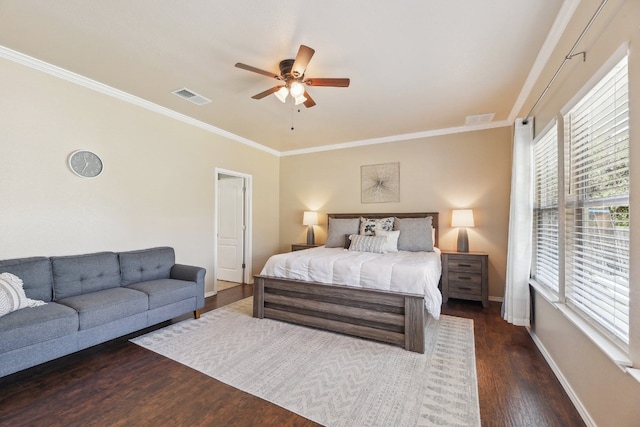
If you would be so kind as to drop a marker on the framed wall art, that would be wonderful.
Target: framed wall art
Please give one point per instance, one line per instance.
(380, 183)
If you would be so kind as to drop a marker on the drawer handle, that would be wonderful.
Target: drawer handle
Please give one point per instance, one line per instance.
(465, 288)
(464, 277)
(464, 265)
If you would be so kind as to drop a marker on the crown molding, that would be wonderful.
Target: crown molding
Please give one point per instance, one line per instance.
(78, 79)
(565, 14)
(398, 138)
(86, 82)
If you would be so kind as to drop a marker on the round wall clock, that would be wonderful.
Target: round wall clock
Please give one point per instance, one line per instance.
(85, 164)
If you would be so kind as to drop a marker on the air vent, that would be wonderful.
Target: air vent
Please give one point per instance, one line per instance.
(191, 96)
(479, 119)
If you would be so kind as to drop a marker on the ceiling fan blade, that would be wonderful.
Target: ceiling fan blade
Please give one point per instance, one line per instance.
(267, 92)
(257, 70)
(328, 82)
(302, 60)
(309, 102)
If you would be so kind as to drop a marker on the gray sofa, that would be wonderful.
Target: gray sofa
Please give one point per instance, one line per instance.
(91, 299)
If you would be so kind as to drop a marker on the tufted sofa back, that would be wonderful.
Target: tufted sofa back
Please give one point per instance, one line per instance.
(35, 273)
(146, 264)
(79, 274)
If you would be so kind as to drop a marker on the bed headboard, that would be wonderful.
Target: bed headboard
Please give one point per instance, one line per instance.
(433, 215)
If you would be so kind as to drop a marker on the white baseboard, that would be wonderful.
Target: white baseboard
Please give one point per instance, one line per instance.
(210, 294)
(563, 381)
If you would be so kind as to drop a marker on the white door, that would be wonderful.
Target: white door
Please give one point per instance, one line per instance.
(230, 228)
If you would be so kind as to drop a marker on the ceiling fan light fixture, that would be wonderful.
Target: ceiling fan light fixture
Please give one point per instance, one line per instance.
(296, 89)
(291, 79)
(282, 93)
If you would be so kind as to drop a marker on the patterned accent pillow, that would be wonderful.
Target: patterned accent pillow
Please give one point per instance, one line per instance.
(392, 239)
(373, 244)
(12, 296)
(415, 234)
(338, 227)
(368, 226)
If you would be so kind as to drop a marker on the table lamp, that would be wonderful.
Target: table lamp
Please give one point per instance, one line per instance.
(462, 218)
(310, 218)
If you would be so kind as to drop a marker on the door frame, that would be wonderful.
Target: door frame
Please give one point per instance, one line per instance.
(248, 221)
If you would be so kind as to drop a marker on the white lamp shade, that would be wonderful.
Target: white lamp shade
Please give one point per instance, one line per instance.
(310, 218)
(282, 93)
(299, 100)
(296, 89)
(462, 218)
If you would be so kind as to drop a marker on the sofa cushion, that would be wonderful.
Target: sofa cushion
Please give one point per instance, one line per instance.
(35, 273)
(81, 274)
(146, 264)
(101, 307)
(36, 324)
(165, 291)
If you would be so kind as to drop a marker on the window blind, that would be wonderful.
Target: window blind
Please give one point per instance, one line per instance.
(545, 210)
(597, 205)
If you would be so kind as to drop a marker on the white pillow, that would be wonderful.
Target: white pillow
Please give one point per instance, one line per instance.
(12, 296)
(392, 239)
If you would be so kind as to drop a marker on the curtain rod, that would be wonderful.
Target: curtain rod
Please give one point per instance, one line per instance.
(569, 56)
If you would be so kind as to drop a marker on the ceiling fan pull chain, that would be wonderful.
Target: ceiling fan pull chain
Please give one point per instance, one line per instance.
(292, 117)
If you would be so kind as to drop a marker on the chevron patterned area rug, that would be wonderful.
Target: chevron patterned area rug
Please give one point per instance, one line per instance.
(329, 378)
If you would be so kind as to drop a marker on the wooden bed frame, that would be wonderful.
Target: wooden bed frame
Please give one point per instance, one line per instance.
(390, 317)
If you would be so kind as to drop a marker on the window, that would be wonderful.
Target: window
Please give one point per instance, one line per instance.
(545, 210)
(597, 204)
(585, 259)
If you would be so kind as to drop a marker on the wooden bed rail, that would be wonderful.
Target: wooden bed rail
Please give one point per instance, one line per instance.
(389, 317)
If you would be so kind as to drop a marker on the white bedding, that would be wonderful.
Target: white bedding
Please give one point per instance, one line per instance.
(408, 272)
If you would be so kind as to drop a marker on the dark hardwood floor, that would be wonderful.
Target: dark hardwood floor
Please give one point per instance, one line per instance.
(516, 386)
(121, 384)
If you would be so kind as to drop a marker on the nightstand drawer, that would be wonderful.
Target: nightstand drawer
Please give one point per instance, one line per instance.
(464, 277)
(461, 263)
(464, 289)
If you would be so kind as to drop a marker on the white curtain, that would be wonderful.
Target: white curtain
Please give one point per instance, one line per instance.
(516, 305)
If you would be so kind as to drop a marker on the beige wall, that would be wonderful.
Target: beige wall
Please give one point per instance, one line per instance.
(465, 170)
(157, 187)
(609, 396)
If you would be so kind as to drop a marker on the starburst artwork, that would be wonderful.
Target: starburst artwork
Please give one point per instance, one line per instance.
(380, 183)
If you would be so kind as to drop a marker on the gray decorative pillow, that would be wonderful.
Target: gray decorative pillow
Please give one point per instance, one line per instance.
(415, 234)
(347, 241)
(338, 227)
(368, 226)
(373, 244)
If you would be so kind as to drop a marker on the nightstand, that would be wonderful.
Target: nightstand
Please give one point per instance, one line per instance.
(301, 246)
(465, 276)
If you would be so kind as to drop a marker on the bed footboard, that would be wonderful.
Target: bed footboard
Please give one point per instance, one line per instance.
(394, 318)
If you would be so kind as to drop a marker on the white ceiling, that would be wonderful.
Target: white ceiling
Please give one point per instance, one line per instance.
(416, 66)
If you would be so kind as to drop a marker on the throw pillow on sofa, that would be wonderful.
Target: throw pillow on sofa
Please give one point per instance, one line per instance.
(12, 296)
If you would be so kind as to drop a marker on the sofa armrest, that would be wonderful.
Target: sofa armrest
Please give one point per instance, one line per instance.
(192, 274)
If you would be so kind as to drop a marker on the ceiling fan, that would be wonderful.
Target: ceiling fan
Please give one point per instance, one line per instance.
(293, 79)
